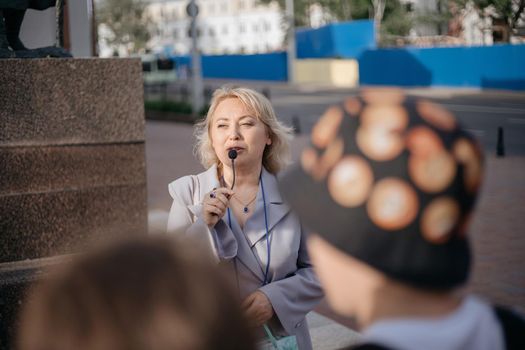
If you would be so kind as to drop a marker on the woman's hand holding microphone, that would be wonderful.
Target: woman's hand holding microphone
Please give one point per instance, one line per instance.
(257, 305)
(215, 204)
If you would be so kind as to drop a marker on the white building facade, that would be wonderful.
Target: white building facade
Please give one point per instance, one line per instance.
(224, 27)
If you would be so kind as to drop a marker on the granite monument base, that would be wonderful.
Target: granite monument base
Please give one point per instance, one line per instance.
(72, 165)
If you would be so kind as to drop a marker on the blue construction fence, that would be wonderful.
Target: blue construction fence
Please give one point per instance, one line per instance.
(270, 66)
(497, 67)
(491, 67)
(336, 40)
(342, 40)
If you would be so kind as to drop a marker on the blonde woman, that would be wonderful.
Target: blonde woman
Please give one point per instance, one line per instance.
(236, 208)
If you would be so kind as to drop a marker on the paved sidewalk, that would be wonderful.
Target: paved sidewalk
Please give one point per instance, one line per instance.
(328, 335)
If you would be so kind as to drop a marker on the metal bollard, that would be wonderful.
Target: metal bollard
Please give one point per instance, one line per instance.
(296, 125)
(266, 93)
(500, 148)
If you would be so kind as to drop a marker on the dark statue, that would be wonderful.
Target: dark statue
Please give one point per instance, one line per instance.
(11, 16)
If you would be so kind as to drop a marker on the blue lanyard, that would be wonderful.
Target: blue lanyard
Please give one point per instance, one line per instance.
(268, 245)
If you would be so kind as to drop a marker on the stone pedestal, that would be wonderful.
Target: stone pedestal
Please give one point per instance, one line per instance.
(72, 163)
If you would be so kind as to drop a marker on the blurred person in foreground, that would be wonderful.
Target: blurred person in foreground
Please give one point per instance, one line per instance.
(141, 294)
(388, 185)
(249, 229)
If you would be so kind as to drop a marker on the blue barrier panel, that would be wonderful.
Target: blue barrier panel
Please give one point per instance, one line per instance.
(336, 40)
(272, 66)
(498, 66)
(314, 43)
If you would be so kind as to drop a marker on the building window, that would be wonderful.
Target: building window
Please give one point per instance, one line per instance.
(211, 32)
(242, 28)
(241, 5)
(266, 26)
(225, 30)
(175, 33)
(255, 28)
(224, 7)
(211, 8)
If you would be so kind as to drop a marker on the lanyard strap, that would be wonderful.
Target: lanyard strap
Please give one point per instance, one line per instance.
(268, 248)
(268, 241)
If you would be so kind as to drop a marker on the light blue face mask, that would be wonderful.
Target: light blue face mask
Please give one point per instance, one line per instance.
(285, 343)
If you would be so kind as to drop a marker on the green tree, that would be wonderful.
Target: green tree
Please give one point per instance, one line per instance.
(127, 21)
(397, 20)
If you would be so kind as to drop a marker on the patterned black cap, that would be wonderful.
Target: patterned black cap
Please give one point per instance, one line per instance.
(392, 181)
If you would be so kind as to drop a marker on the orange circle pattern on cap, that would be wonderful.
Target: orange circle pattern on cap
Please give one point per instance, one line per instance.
(380, 134)
(350, 181)
(432, 173)
(436, 115)
(393, 204)
(422, 141)
(383, 95)
(319, 166)
(327, 127)
(439, 219)
(352, 106)
(467, 154)
(308, 159)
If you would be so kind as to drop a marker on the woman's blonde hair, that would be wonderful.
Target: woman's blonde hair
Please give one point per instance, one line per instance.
(275, 157)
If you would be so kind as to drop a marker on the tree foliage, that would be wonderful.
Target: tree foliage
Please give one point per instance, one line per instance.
(391, 13)
(396, 19)
(127, 21)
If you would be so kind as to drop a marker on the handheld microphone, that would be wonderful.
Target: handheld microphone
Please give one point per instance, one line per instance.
(232, 154)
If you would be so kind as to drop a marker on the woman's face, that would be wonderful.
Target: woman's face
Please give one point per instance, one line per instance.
(233, 126)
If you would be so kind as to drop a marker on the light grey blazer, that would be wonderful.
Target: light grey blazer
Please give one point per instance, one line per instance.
(293, 289)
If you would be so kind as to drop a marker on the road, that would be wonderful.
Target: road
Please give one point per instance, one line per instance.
(482, 112)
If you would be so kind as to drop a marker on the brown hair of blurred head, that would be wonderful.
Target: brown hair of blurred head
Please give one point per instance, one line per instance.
(147, 293)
